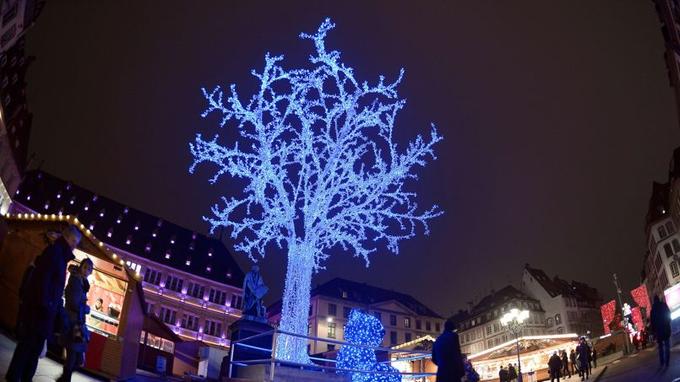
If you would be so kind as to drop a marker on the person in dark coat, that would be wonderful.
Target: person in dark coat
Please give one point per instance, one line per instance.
(447, 356)
(554, 367)
(512, 372)
(583, 356)
(660, 319)
(42, 299)
(75, 304)
(565, 365)
(574, 365)
(503, 375)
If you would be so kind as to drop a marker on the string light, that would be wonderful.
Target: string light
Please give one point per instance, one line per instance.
(364, 329)
(331, 165)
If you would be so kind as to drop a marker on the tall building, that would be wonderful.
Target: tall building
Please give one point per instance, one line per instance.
(479, 328)
(190, 281)
(669, 15)
(405, 319)
(660, 267)
(570, 307)
(16, 17)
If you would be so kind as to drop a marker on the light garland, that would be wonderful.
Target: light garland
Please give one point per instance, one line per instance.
(322, 171)
(366, 330)
(76, 223)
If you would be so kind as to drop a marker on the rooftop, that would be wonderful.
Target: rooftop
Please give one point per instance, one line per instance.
(364, 294)
(131, 230)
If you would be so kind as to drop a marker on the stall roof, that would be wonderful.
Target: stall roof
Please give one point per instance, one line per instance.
(131, 230)
(527, 344)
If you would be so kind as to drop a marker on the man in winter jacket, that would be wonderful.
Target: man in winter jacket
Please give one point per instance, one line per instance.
(41, 301)
(583, 355)
(446, 355)
(660, 318)
(554, 367)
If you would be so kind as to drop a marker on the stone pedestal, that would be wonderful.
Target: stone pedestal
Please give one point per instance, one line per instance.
(244, 328)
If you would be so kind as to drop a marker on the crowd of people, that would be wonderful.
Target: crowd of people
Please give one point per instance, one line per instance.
(48, 308)
(580, 361)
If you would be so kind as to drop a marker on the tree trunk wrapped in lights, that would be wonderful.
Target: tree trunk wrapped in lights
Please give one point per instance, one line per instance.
(322, 171)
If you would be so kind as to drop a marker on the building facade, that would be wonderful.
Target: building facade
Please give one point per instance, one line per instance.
(669, 15)
(570, 307)
(16, 17)
(405, 319)
(660, 265)
(479, 328)
(190, 281)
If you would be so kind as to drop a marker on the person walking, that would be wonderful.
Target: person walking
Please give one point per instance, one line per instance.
(512, 373)
(43, 288)
(565, 365)
(594, 357)
(660, 318)
(75, 304)
(554, 367)
(582, 355)
(447, 356)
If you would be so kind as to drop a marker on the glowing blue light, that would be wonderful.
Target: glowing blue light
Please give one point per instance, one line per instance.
(321, 168)
(364, 329)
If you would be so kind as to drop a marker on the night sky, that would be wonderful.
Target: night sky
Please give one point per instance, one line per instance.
(557, 116)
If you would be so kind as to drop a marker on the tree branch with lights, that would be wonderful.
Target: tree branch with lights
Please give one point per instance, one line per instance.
(322, 171)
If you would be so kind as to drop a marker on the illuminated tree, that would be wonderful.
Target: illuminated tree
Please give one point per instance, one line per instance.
(322, 170)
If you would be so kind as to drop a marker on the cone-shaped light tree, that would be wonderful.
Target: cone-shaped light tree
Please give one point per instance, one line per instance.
(322, 170)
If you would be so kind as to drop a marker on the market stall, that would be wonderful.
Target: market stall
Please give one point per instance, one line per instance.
(115, 297)
(534, 354)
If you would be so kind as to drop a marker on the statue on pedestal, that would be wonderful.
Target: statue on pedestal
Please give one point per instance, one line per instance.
(254, 290)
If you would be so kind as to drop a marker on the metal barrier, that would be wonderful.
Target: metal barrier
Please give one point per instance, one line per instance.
(273, 361)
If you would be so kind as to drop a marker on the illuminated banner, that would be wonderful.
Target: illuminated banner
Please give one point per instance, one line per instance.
(637, 319)
(641, 298)
(608, 310)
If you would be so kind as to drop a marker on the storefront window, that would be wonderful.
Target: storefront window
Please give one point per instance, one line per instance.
(105, 299)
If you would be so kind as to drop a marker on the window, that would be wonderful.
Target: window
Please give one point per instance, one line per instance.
(489, 344)
(330, 347)
(331, 330)
(558, 319)
(662, 232)
(676, 245)
(195, 290)
(669, 227)
(658, 262)
(393, 321)
(332, 309)
(152, 276)
(213, 328)
(393, 337)
(407, 322)
(236, 301)
(344, 294)
(217, 296)
(407, 337)
(168, 315)
(149, 308)
(674, 269)
(488, 330)
(428, 326)
(173, 283)
(436, 327)
(668, 250)
(189, 322)
(345, 311)
(419, 325)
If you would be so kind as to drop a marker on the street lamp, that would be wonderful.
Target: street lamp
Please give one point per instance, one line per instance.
(514, 321)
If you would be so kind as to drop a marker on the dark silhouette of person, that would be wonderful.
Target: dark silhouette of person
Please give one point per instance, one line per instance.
(554, 367)
(447, 356)
(660, 319)
(583, 356)
(503, 374)
(43, 289)
(565, 365)
(75, 305)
